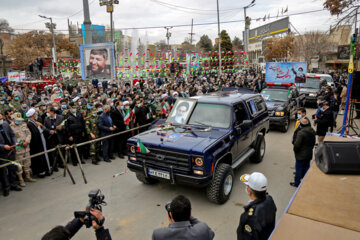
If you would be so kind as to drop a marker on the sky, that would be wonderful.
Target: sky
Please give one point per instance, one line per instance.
(23, 15)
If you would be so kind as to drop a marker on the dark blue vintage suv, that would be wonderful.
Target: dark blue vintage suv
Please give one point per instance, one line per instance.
(202, 141)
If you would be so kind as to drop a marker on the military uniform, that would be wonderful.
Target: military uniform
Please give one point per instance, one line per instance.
(23, 135)
(258, 220)
(91, 126)
(15, 104)
(4, 107)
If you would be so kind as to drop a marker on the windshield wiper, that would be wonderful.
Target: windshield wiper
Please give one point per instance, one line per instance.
(278, 100)
(202, 124)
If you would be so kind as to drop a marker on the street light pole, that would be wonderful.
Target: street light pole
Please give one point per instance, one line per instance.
(110, 9)
(87, 22)
(247, 26)
(51, 27)
(219, 36)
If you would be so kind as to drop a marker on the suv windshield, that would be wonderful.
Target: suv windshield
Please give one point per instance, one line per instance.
(271, 95)
(212, 115)
(311, 83)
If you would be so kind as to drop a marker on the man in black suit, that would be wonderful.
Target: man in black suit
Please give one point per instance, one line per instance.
(117, 115)
(7, 151)
(107, 128)
(54, 129)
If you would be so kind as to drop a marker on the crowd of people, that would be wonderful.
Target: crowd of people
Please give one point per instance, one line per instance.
(66, 113)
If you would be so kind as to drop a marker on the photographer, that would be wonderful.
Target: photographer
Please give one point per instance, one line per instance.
(182, 224)
(67, 232)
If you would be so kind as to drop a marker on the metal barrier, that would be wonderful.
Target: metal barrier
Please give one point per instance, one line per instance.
(74, 146)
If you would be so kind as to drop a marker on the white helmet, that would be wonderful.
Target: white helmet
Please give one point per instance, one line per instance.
(256, 181)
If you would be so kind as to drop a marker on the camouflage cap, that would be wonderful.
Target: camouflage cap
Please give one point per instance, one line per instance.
(41, 103)
(17, 116)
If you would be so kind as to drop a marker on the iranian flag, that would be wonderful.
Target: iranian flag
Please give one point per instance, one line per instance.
(133, 113)
(127, 117)
(149, 114)
(163, 109)
(141, 147)
(58, 98)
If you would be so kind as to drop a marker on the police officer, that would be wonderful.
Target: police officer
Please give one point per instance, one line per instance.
(258, 220)
(92, 129)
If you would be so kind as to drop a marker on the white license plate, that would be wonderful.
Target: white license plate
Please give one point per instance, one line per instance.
(159, 174)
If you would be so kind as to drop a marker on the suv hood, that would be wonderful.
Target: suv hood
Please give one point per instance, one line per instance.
(188, 142)
(275, 105)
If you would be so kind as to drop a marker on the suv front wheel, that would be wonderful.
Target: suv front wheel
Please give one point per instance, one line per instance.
(220, 187)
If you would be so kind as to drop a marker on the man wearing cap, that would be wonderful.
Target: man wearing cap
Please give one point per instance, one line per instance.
(23, 136)
(258, 220)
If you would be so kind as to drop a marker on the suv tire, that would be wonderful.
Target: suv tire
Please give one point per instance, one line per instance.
(285, 128)
(219, 190)
(145, 180)
(260, 147)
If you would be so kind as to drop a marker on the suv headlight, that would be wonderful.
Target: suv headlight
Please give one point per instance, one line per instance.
(279, 114)
(132, 149)
(312, 94)
(199, 161)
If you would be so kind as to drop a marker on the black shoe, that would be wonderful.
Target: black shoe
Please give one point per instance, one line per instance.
(41, 175)
(112, 158)
(56, 169)
(107, 160)
(6, 192)
(95, 162)
(293, 184)
(15, 188)
(74, 164)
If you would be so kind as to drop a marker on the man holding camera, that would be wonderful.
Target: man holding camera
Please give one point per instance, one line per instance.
(258, 220)
(182, 224)
(67, 232)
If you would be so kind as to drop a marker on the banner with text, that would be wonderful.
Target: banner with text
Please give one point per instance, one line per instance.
(286, 72)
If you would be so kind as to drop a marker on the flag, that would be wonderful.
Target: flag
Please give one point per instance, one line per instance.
(141, 147)
(286, 10)
(264, 18)
(163, 109)
(132, 114)
(20, 145)
(282, 11)
(127, 117)
(149, 114)
(58, 98)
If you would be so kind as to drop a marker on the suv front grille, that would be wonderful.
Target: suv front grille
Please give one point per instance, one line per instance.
(165, 158)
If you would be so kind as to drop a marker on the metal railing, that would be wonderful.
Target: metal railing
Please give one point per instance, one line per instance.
(67, 147)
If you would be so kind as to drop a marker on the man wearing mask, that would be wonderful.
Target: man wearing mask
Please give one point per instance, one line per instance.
(23, 136)
(301, 113)
(7, 151)
(140, 114)
(181, 224)
(75, 130)
(52, 123)
(107, 128)
(40, 164)
(258, 220)
(4, 106)
(92, 129)
(117, 115)
(323, 121)
(304, 143)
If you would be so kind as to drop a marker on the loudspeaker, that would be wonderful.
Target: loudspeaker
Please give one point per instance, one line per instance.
(338, 157)
(355, 90)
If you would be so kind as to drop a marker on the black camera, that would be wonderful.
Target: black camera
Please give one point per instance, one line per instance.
(96, 200)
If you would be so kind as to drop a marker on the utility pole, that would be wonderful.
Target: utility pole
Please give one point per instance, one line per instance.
(51, 26)
(191, 33)
(87, 22)
(168, 36)
(219, 36)
(247, 26)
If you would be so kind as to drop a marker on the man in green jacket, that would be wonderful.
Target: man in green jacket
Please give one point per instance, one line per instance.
(304, 143)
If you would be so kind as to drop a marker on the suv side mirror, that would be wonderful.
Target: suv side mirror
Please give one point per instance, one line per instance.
(247, 123)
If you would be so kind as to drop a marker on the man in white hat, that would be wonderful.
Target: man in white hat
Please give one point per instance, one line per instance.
(258, 220)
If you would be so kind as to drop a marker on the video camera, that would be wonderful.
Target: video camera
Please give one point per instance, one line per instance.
(95, 202)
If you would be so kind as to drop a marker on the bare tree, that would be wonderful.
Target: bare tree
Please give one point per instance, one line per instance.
(5, 27)
(346, 10)
(312, 44)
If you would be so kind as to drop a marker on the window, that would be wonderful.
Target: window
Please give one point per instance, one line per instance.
(240, 114)
(256, 106)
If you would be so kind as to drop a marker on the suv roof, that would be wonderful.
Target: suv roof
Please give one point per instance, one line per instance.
(223, 98)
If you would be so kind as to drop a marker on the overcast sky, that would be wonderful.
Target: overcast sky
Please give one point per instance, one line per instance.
(23, 14)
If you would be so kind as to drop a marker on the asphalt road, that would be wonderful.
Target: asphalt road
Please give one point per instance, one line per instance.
(133, 210)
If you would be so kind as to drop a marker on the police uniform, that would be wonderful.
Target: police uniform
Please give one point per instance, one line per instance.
(91, 125)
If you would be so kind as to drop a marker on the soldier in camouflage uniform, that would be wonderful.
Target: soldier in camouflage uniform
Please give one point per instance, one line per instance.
(15, 103)
(92, 129)
(23, 136)
(4, 106)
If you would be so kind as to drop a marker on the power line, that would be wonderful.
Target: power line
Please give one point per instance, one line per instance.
(194, 9)
(183, 25)
(80, 11)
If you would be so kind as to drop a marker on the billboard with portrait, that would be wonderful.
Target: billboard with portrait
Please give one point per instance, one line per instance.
(286, 72)
(97, 61)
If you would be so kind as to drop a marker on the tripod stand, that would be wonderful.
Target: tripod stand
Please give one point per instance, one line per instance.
(350, 123)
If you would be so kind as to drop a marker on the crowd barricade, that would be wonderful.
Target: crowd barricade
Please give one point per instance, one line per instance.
(75, 147)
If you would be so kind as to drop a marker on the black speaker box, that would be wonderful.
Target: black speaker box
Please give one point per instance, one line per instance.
(355, 90)
(338, 157)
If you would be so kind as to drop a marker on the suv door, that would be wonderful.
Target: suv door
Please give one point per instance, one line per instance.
(242, 133)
